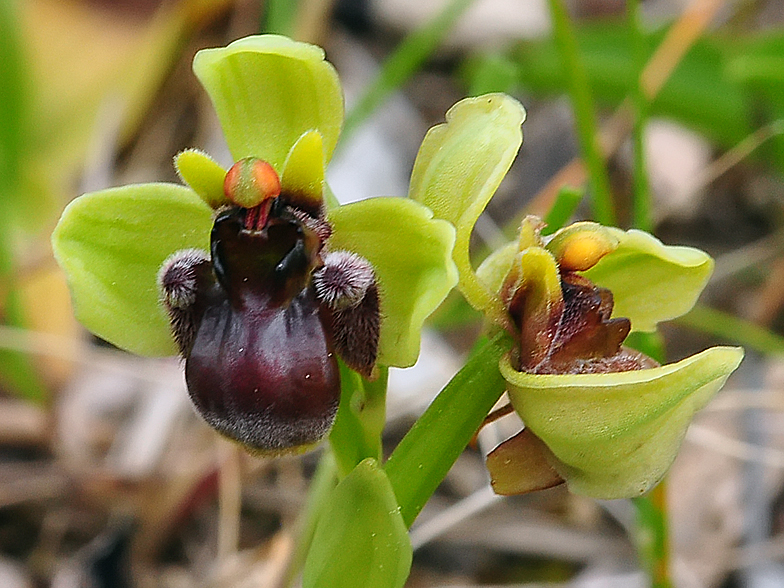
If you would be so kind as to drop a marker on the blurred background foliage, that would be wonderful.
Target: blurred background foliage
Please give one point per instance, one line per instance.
(665, 114)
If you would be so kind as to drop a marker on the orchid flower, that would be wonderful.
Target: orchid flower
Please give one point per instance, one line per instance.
(254, 274)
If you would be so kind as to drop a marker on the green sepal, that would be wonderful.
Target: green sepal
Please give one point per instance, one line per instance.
(360, 540)
(111, 245)
(203, 175)
(411, 253)
(651, 282)
(615, 435)
(459, 166)
(268, 90)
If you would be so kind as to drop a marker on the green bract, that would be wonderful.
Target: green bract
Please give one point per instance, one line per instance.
(277, 100)
(615, 435)
(361, 539)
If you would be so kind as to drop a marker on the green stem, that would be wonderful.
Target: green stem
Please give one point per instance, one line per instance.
(402, 64)
(324, 481)
(280, 17)
(427, 452)
(652, 535)
(359, 423)
(582, 102)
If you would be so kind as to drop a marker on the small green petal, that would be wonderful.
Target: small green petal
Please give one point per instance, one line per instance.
(615, 435)
(492, 272)
(459, 166)
(411, 253)
(651, 282)
(268, 90)
(303, 172)
(111, 245)
(360, 540)
(203, 174)
(538, 299)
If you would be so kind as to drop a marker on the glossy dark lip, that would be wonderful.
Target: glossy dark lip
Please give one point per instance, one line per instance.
(261, 342)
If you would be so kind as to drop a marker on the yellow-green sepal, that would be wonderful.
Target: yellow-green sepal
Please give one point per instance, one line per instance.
(268, 90)
(537, 298)
(651, 282)
(111, 245)
(615, 435)
(411, 253)
(458, 169)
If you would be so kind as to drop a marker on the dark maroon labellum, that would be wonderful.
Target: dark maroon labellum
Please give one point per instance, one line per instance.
(260, 366)
(260, 319)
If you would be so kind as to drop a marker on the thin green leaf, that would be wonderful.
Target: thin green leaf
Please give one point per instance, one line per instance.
(17, 371)
(731, 328)
(280, 17)
(18, 206)
(490, 73)
(403, 63)
(584, 112)
(641, 201)
(605, 49)
(14, 98)
(566, 203)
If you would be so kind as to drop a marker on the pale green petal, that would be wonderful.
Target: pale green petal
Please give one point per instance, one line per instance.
(303, 172)
(268, 90)
(411, 253)
(111, 245)
(458, 169)
(203, 175)
(651, 282)
(615, 435)
(493, 270)
(360, 541)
